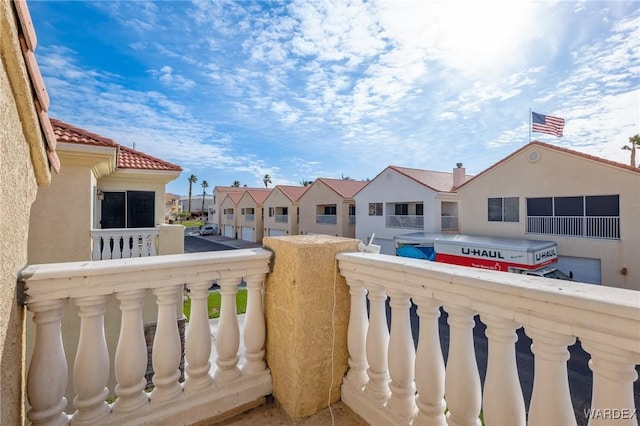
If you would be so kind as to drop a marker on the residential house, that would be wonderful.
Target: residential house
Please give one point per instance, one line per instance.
(400, 200)
(215, 215)
(250, 214)
(588, 205)
(172, 207)
(27, 158)
(229, 218)
(282, 211)
(327, 207)
(110, 191)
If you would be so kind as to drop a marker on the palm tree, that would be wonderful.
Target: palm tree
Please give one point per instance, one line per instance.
(305, 182)
(236, 183)
(634, 142)
(266, 180)
(192, 179)
(205, 185)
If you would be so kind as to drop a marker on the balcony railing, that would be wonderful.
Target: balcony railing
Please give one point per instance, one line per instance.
(123, 243)
(327, 219)
(391, 382)
(607, 227)
(249, 217)
(405, 221)
(352, 219)
(206, 392)
(229, 216)
(282, 218)
(449, 223)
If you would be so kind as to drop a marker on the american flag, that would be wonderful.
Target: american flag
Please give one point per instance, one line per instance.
(547, 124)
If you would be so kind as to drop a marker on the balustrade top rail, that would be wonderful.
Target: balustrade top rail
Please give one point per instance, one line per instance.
(78, 279)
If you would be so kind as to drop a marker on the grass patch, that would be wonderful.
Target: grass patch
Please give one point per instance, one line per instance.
(213, 304)
(192, 223)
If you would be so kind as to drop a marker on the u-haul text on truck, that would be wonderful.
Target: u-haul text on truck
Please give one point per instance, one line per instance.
(523, 256)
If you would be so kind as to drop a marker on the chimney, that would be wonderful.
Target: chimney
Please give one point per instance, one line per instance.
(459, 175)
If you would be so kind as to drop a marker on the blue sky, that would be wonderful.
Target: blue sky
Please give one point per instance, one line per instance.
(307, 89)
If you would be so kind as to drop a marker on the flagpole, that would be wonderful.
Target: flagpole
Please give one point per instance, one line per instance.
(529, 124)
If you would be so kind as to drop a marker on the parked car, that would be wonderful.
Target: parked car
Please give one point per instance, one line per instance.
(209, 230)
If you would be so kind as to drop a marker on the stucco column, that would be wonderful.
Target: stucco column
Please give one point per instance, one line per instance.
(304, 331)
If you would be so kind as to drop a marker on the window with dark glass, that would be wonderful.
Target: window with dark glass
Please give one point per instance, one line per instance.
(419, 209)
(128, 209)
(503, 209)
(402, 209)
(602, 205)
(330, 210)
(375, 209)
(568, 206)
(540, 206)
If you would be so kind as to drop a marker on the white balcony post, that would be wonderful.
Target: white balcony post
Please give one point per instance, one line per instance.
(198, 345)
(166, 348)
(96, 253)
(503, 403)
(402, 360)
(462, 381)
(357, 336)
(613, 376)
(117, 252)
(254, 327)
(550, 400)
(106, 246)
(91, 367)
(131, 355)
(377, 347)
(228, 337)
(429, 368)
(48, 371)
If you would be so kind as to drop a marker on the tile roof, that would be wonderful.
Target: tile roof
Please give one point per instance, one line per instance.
(235, 196)
(131, 159)
(437, 181)
(68, 133)
(259, 194)
(292, 192)
(346, 188)
(558, 149)
(127, 158)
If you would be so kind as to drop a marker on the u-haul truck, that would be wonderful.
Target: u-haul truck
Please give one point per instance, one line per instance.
(517, 255)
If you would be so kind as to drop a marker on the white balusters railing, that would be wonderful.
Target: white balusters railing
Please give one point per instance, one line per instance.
(553, 313)
(123, 243)
(208, 390)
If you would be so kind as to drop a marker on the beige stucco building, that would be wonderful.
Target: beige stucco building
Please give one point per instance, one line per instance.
(249, 212)
(228, 216)
(328, 207)
(282, 215)
(589, 206)
(27, 154)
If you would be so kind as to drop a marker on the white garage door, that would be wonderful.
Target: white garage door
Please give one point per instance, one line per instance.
(277, 232)
(246, 233)
(228, 231)
(584, 269)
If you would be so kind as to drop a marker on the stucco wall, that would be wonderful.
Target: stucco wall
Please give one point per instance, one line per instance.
(17, 192)
(320, 194)
(561, 174)
(278, 199)
(67, 203)
(392, 187)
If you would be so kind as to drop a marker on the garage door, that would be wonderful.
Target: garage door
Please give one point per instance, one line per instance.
(277, 232)
(246, 233)
(228, 231)
(584, 269)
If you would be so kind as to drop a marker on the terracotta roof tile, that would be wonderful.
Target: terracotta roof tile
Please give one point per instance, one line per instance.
(68, 133)
(292, 192)
(559, 149)
(131, 159)
(344, 187)
(127, 158)
(437, 181)
(259, 194)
